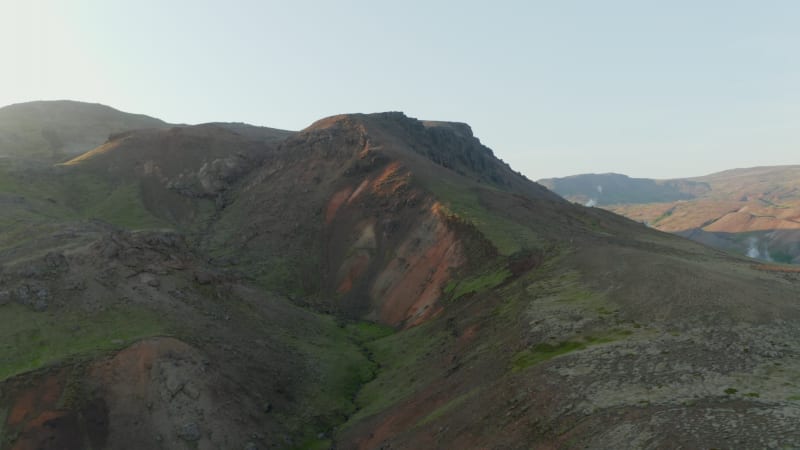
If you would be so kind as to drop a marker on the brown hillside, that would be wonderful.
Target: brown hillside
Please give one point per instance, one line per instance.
(349, 209)
(372, 281)
(751, 211)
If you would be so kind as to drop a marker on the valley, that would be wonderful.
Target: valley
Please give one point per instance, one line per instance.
(754, 212)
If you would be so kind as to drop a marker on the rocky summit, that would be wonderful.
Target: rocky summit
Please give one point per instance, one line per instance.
(372, 281)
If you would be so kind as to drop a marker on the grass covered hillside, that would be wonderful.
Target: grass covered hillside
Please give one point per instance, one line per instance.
(371, 281)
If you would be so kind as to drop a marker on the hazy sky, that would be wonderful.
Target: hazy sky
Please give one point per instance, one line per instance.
(648, 88)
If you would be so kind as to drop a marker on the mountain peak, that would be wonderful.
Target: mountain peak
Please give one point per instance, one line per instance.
(460, 128)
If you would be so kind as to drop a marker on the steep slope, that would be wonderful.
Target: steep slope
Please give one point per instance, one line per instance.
(231, 312)
(57, 130)
(751, 211)
(365, 215)
(619, 338)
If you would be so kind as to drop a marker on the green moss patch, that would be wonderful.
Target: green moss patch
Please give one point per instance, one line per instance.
(401, 358)
(45, 195)
(287, 275)
(546, 351)
(448, 407)
(543, 352)
(123, 207)
(479, 283)
(316, 444)
(366, 332)
(506, 235)
(31, 340)
(340, 366)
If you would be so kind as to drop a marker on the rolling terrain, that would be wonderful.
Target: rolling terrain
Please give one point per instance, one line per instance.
(371, 281)
(58, 130)
(754, 212)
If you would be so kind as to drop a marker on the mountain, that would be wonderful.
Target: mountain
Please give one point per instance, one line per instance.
(612, 188)
(371, 281)
(58, 130)
(755, 211)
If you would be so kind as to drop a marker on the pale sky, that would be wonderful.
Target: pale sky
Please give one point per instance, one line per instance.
(646, 88)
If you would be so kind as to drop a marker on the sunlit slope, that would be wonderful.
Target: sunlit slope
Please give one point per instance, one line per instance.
(752, 211)
(57, 130)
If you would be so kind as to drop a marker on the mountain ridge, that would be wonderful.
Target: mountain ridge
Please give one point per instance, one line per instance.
(371, 281)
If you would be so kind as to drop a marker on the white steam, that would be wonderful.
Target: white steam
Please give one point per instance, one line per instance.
(593, 201)
(753, 250)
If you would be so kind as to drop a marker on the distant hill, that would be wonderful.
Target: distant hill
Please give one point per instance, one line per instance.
(612, 188)
(753, 211)
(59, 130)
